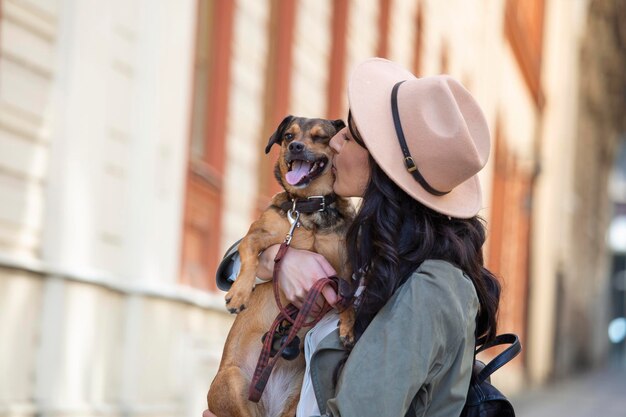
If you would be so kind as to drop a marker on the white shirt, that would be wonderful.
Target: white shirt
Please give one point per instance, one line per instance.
(308, 403)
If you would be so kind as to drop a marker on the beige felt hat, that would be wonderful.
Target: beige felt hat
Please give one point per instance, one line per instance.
(446, 138)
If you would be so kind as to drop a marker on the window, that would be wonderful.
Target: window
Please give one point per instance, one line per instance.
(523, 28)
(205, 171)
(509, 233)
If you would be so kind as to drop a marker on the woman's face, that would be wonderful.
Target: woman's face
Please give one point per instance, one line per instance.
(350, 165)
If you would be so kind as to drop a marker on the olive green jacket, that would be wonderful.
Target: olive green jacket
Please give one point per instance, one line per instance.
(414, 359)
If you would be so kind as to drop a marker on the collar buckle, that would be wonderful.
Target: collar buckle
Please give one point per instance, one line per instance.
(322, 198)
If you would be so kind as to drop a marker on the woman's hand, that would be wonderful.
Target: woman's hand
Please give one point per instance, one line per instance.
(265, 269)
(208, 413)
(300, 269)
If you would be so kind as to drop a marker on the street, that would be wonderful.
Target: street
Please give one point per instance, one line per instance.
(597, 394)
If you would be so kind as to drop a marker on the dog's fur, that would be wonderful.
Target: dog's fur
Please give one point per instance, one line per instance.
(322, 232)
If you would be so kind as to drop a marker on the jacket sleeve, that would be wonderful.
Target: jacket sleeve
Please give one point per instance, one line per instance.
(228, 269)
(411, 339)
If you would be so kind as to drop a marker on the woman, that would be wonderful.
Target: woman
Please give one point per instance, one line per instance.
(412, 150)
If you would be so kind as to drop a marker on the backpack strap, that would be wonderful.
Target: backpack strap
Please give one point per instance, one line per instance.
(504, 357)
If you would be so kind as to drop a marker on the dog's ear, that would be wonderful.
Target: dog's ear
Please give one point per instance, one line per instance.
(277, 137)
(338, 124)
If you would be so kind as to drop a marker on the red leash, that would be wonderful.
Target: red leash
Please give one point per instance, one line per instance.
(290, 314)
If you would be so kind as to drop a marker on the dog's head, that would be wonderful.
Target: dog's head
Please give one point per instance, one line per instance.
(303, 167)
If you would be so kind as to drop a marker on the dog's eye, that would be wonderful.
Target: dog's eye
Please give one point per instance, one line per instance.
(321, 138)
(288, 136)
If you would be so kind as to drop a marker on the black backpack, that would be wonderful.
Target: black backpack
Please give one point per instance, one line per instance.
(483, 399)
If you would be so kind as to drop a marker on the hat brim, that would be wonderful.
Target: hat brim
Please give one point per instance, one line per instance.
(369, 96)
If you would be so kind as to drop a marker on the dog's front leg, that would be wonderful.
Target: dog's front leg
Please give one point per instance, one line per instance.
(257, 240)
(346, 327)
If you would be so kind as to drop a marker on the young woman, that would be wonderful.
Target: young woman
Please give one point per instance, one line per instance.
(412, 151)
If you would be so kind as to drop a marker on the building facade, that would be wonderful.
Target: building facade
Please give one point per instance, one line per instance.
(131, 156)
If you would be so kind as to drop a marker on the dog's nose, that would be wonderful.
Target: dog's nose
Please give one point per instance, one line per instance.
(296, 146)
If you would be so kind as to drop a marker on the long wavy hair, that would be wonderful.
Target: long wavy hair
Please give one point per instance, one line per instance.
(393, 234)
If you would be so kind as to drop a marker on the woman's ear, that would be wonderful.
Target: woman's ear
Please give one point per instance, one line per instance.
(277, 136)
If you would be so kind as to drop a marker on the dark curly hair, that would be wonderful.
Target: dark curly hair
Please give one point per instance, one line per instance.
(393, 234)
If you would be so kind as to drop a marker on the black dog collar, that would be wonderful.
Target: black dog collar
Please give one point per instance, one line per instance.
(310, 204)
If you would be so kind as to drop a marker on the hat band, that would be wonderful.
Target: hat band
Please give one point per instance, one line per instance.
(408, 159)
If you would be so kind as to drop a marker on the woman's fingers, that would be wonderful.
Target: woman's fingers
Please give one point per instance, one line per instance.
(328, 269)
(265, 268)
(330, 295)
(208, 413)
(300, 269)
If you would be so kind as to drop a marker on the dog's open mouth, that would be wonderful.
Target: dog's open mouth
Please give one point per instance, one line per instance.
(303, 171)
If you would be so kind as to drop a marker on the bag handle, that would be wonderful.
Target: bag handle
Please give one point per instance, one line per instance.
(504, 357)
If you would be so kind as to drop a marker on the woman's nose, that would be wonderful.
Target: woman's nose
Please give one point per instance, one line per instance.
(336, 142)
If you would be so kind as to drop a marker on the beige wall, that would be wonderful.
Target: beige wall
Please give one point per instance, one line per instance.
(119, 139)
(28, 37)
(20, 326)
(94, 113)
(311, 53)
(27, 63)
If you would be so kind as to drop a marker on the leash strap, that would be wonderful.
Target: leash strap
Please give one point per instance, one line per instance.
(343, 288)
(297, 318)
(277, 266)
(266, 362)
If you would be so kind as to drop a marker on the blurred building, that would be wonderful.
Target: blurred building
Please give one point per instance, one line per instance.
(131, 156)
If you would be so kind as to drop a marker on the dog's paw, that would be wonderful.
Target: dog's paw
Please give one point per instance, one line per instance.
(346, 328)
(236, 301)
(347, 340)
(346, 335)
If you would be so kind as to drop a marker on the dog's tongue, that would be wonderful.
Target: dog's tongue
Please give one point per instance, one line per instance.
(298, 171)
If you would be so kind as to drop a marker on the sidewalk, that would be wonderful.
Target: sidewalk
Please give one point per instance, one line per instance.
(600, 393)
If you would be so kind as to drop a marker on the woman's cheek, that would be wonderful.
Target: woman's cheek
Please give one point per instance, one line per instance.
(364, 184)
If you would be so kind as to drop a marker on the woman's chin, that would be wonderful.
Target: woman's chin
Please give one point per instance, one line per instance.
(342, 191)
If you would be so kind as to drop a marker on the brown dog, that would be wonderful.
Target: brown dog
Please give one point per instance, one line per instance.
(304, 170)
